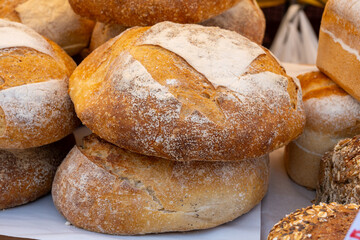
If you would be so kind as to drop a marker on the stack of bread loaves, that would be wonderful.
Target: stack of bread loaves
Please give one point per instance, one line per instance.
(35, 113)
(242, 16)
(331, 102)
(190, 114)
(53, 19)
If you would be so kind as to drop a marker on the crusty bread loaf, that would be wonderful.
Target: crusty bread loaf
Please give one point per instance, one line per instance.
(27, 174)
(331, 115)
(53, 19)
(339, 176)
(145, 13)
(323, 222)
(35, 108)
(103, 188)
(339, 44)
(245, 18)
(187, 92)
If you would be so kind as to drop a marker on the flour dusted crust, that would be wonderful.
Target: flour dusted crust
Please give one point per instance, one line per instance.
(103, 188)
(146, 13)
(339, 48)
(331, 115)
(339, 178)
(35, 108)
(245, 18)
(323, 222)
(53, 19)
(187, 92)
(27, 174)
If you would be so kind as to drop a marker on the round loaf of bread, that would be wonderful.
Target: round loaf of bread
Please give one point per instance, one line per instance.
(35, 108)
(103, 188)
(27, 174)
(339, 177)
(53, 19)
(187, 92)
(146, 13)
(324, 222)
(245, 18)
(331, 115)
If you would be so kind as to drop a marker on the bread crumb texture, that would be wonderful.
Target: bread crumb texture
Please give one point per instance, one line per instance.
(187, 92)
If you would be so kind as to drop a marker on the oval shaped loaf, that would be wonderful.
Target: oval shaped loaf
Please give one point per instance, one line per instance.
(146, 13)
(323, 221)
(103, 188)
(27, 174)
(53, 19)
(35, 108)
(331, 115)
(187, 92)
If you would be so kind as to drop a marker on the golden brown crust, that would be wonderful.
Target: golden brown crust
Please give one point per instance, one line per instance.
(339, 173)
(245, 18)
(146, 13)
(35, 108)
(27, 174)
(103, 188)
(171, 110)
(322, 222)
(103, 32)
(53, 19)
(331, 115)
(338, 41)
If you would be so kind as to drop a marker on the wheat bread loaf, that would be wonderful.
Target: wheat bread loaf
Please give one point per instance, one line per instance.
(187, 92)
(27, 174)
(331, 115)
(339, 48)
(35, 108)
(103, 188)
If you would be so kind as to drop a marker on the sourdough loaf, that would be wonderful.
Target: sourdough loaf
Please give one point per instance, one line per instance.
(339, 44)
(145, 13)
(53, 19)
(245, 18)
(35, 108)
(106, 189)
(331, 115)
(187, 92)
(27, 174)
(322, 222)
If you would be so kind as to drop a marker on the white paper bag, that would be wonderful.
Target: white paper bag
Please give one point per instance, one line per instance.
(295, 40)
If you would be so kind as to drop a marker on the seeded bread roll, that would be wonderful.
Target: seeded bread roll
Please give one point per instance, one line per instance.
(245, 18)
(106, 189)
(187, 92)
(339, 44)
(146, 13)
(27, 174)
(53, 19)
(322, 222)
(339, 176)
(331, 115)
(35, 108)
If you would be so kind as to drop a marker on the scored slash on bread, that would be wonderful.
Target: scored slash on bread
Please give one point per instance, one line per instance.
(187, 92)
